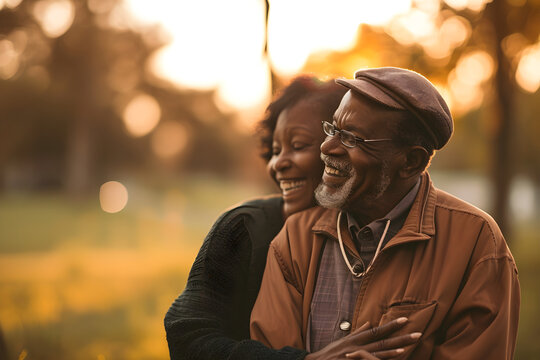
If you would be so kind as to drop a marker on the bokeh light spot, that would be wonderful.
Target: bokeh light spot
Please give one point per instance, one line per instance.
(412, 27)
(55, 17)
(252, 89)
(141, 115)
(465, 81)
(12, 4)
(9, 59)
(528, 70)
(475, 67)
(455, 30)
(474, 5)
(465, 96)
(113, 196)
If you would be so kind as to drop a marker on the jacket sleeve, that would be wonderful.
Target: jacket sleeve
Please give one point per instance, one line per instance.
(277, 315)
(482, 323)
(198, 323)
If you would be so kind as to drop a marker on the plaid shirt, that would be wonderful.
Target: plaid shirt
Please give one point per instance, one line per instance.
(333, 302)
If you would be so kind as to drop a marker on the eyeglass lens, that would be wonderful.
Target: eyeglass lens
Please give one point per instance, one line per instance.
(347, 138)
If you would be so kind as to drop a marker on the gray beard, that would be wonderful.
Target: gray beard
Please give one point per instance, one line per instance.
(338, 198)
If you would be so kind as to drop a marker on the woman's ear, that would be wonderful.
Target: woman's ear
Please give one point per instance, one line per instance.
(416, 161)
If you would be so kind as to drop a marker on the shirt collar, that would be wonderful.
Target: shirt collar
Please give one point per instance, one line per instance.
(396, 216)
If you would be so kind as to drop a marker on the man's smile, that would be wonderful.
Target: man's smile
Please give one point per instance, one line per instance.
(334, 172)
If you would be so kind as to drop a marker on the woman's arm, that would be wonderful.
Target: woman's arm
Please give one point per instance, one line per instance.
(210, 319)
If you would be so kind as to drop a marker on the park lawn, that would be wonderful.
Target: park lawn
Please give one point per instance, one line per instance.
(78, 283)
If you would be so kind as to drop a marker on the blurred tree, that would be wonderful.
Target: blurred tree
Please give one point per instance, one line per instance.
(275, 82)
(503, 29)
(507, 18)
(63, 105)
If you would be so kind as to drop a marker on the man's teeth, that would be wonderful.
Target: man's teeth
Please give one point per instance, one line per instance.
(287, 185)
(332, 171)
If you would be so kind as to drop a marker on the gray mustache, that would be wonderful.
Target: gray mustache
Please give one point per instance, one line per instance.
(344, 166)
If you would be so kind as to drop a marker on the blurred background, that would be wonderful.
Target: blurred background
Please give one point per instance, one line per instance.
(127, 127)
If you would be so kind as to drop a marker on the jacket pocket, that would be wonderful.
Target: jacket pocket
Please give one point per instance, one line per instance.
(419, 316)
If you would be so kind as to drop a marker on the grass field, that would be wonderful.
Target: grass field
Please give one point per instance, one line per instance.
(78, 283)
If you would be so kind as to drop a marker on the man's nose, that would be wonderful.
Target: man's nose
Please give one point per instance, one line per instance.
(332, 146)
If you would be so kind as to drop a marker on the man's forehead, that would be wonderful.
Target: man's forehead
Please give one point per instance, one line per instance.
(344, 109)
(352, 108)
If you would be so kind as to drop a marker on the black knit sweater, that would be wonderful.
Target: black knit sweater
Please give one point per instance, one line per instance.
(210, 319)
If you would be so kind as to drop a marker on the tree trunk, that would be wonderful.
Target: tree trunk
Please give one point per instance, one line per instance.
(275, 83)
(502, 168)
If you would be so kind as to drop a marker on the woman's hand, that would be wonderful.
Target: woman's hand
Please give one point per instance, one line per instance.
(368, 343)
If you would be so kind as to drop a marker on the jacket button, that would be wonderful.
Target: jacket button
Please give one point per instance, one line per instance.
(345, 326)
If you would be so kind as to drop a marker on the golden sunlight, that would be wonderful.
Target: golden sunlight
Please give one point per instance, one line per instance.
(528, 70)
(456, 30)
(252, 90)
(213, 50)
(54, 16)
(141, 115)
(475, 68)
(209, 50)
(451, 33)
(412, 27)
(113, 196)
(465, 81)
(300, 28)
(474, 5)
(464, 96)
(11, 4)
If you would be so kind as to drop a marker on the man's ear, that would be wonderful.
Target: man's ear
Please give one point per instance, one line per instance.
(416, 161)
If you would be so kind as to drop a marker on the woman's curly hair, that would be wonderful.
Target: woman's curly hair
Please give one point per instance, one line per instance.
(324, 95)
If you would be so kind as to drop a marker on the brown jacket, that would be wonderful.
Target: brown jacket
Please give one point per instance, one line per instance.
(448, 270)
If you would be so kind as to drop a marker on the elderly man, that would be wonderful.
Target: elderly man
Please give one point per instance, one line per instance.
(387, 244)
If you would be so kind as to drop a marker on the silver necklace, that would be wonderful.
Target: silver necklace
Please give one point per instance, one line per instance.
(340, 240)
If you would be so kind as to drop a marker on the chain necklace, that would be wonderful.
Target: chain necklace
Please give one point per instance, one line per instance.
(359, 274)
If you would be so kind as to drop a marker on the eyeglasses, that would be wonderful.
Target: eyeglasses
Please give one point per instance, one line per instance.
(347, 138)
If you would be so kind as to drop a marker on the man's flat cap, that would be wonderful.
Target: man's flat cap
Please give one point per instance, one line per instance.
(406, 89)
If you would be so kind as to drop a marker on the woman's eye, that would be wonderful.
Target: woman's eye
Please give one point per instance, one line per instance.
(299, 145)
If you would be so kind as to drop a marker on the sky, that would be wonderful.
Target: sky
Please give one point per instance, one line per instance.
(217, 44)
(220, 45)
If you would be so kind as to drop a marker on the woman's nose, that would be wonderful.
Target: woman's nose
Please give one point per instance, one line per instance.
(281, 162)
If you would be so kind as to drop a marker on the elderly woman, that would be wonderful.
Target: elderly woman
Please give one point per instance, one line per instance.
(210, 319)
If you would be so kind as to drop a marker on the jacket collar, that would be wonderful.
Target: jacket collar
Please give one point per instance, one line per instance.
(419, 225)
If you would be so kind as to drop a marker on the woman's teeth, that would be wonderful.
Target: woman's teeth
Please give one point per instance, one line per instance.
(287, 185)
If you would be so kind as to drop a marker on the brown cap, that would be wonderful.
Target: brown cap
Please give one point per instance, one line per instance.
(406, 89)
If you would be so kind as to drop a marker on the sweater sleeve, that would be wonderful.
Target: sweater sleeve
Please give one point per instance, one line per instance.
(203, 322)
(483, 321)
